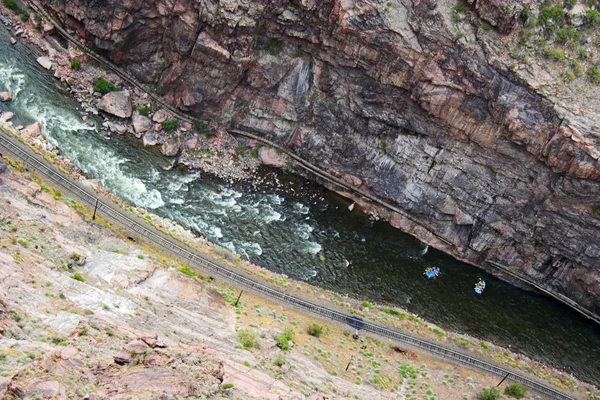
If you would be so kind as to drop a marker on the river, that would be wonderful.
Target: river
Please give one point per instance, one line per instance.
(295, 227)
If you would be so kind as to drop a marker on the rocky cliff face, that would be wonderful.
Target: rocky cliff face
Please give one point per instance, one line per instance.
(401, 98)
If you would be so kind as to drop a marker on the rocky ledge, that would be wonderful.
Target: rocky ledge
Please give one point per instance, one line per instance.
(404, 99)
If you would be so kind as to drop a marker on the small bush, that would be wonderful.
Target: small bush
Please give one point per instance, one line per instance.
(592, 17)
(593, 75)
(102, 86)
(515, 390)
(75, 64)
(577, 68)
(283, 339)
(145, 111)
(315, 330)
(486, 27)
(275, 46)
(524, 15)
(24, 16)
(554, 14)
(11, 5)
(279, 361)
(78, 277)
(491, 393)
(170, 125)
(247, 339)
(199, 126)
(570, 4)
(228, 386)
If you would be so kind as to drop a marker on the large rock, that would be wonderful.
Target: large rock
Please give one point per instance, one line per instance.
(577, 15)
(3, 167)
(270, 156)
(117, 104)
(45, 62)
(7, 116)
(141, 124)
(32, 131)
(5, 96)
(161, 116)
(171, 147)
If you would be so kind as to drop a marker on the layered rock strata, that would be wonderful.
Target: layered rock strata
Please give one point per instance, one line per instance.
(395, 99)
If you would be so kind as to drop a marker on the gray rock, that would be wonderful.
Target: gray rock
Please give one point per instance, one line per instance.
(117, 104)
(171, 147)
(3, 167)
(141, 124)
(45, 62)
(32, 131)
(5, 96)
(7, 116)
(161, 116)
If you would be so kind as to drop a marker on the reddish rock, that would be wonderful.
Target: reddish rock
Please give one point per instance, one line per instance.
(117, 104)
(5, 96)
(270, 156)
(32, 131)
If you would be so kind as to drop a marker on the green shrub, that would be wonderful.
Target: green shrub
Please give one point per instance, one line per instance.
(283, 339)
(279, 361)
(228, 386)
(486, 27)
(515, 390)
(78, 277)
(491, 393)
(11, 5)
(102, 86)
(199, 126)
(275, 46)
(569, 76)
(592, 17)
(75, 64)
(524, 14)
(247, 339)
(593, 75)
(170, 125)
(315, 330)
(554, 14)
(577, 68)
(24, 16)
(145, 111)
(570, 4)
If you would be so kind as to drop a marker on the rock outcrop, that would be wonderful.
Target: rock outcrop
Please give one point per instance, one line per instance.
(394, 95)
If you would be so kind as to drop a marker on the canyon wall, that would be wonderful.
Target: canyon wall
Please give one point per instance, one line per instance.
(399, 98)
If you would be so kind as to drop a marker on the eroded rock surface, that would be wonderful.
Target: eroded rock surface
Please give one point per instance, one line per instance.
(394, 95)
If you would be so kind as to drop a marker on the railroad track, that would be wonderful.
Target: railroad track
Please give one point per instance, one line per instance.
(49, 172)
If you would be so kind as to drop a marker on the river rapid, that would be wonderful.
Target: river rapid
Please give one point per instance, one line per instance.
(293, 226)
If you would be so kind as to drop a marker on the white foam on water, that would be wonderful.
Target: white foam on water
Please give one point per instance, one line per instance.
(303, 231)
(176, 201)
(251, 247)
(11, 79)
(346, 263)
(311, 247)
(300, 208)
(230, 246)
(215, 232)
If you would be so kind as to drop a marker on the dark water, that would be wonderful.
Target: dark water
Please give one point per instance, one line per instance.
(297, 228)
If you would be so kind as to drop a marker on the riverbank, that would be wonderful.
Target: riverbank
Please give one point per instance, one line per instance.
(112, 264)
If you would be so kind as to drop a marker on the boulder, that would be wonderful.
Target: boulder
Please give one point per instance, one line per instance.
(270, 156)
(123, 358)
(114, 127)
(151, 138)
(171, 147)
(117, 104)
(51, 389)
(32, 131)
(6, 116)
(3, 167)
(161, 116)
(12, 40)
(577, 15)
(47, 28)
(45, 62)
(141, 124)
(5, 96)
